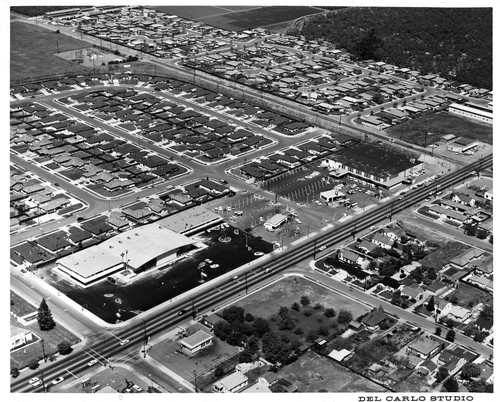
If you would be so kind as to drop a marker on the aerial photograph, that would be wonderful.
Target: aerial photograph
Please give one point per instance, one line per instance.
(251, 199)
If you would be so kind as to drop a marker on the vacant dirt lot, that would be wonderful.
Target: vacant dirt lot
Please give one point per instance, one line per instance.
(312, 373)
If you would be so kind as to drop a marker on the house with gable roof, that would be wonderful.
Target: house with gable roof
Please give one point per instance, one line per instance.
(382, 240)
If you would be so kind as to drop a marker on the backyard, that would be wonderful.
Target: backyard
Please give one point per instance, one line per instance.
(468, 296)
(312, 373)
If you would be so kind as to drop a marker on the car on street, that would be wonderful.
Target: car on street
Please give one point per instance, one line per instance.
(427, 199)
(124, 342)
(181, 312)
(36, 384)
(91, 363)
(33, 380)
(57, 380)
(318, 202)
(322, 248)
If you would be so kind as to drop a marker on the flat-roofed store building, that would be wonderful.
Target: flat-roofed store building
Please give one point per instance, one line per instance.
(196, 342)
(472, 111)
(137, 249)
(275, 222)
(378, 166)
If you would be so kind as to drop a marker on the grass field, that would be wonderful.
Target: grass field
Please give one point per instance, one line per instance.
(440, 124)
(258, 17)
(289, 290)
(33, 49)
(312, 373)
(198, 13)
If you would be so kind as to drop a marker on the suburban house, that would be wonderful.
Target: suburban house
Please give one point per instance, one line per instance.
(232, 383)
(212, 319)
(19, 337)
(452, 311)
(366, 246)
(413, 291)
(196, 342)
(424, 347)
(382, 240)
(350, 257)
(269, 378)
(373, 319)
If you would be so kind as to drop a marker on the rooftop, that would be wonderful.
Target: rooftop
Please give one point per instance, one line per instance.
(378, 161)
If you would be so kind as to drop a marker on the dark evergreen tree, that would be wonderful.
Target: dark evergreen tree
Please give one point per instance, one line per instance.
(430, 304)
(44, 317)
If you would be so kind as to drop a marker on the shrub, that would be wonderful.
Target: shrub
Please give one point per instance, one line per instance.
(14, 372)
(329, 313)
(307, 312)
(298, 331)
(318, 306)
(64, 348)
(219, 371)
(34, 364)
(304, 300)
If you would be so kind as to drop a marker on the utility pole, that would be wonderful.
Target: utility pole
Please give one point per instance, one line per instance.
(42, 341)
(43, 381)
(145, 337)
(192, 309)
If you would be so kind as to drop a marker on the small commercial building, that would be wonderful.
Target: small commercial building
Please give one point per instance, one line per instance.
(232, 383)
(275, 222)
(196, 342)
(331, 195)
(462, 145)
(472, 111)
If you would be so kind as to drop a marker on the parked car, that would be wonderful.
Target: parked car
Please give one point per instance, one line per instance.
(33, 380)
